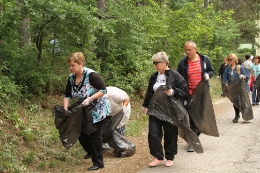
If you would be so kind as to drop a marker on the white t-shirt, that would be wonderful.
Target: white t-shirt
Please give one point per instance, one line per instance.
(247, 64)
(161, 80)
(116, 96)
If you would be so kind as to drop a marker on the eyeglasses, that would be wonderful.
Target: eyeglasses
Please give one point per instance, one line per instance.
(230, 59)
(155, 63)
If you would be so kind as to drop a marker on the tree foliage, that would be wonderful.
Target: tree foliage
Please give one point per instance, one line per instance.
(117, 40)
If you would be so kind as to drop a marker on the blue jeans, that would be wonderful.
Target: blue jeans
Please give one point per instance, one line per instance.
(247, 79)
(254, 95)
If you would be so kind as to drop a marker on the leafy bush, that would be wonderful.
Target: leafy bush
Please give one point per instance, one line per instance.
(10, 93)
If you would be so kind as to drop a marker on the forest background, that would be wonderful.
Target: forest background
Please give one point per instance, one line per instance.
(118, 39)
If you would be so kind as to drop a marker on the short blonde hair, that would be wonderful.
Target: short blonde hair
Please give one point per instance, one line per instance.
(77, 57)
(161, 56)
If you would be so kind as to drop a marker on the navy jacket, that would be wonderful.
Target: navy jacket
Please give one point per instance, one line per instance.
(205, 66)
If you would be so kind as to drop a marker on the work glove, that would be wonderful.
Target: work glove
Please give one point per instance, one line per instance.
(185, 103)
(242, 76)
(206, 76)
(170, 92)
(144, 110)
(218, 77)
(87, 101)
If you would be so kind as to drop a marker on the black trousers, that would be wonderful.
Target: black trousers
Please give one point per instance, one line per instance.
(157, 130)
(194, 128)
(236, 111)
(92, 144)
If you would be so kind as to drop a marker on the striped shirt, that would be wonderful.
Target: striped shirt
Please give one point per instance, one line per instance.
(194, 75)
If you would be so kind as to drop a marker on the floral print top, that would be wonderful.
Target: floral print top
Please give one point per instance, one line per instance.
(90, 83)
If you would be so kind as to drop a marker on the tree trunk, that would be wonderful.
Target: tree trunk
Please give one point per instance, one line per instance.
(23, 30)
(206, 3)
(101, 4)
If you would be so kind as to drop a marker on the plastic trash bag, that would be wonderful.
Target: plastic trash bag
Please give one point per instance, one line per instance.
(70, 123)
(111, 125)
(237, 94)
(122, 147)
(201, 110)
(171, 110)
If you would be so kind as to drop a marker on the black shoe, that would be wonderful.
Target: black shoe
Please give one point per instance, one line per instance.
(223, 95)
(253, 104)
(257, 103)
(235, 120)
(93, 168)
(87, 156)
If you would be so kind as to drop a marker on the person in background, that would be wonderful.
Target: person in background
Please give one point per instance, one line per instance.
(233, 72)
(194, 67)
(86, 85)
(55, 44)
(240, 62)
(221, 72)
(255, 71)
(247, 64)
(158, 128)
(118, 100)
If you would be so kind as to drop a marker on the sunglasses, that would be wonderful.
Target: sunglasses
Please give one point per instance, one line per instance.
(230, 59)
(155, 63)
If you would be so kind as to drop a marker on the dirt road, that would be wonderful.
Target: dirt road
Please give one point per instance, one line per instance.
(236, 150)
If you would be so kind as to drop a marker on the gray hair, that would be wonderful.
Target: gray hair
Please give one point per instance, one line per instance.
(192, 43)
(161, 56)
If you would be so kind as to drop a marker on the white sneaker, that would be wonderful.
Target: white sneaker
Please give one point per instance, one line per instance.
(190, 149)
(106, 147)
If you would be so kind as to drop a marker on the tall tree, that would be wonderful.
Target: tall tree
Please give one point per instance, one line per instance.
(24, 27)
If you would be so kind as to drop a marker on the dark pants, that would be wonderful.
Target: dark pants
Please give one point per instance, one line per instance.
(194, 128)
(92, 144)
(158, 129)
(236, 111)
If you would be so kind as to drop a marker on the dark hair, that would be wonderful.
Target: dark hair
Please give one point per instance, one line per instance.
(239, 61)
(247, 56)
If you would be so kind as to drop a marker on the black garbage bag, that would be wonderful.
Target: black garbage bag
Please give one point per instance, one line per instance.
(122, 147)
(171, 110)
(111, 125)
(70, 123)
(201, 110)
(237, 94)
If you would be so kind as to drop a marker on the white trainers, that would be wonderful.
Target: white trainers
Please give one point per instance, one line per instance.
(190, 149)
(106, 147)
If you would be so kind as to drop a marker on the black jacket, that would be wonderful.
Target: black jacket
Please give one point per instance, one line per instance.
(174, 79)
(222, 69)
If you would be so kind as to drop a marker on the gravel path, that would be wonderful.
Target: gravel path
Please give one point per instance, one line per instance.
(236, 150)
